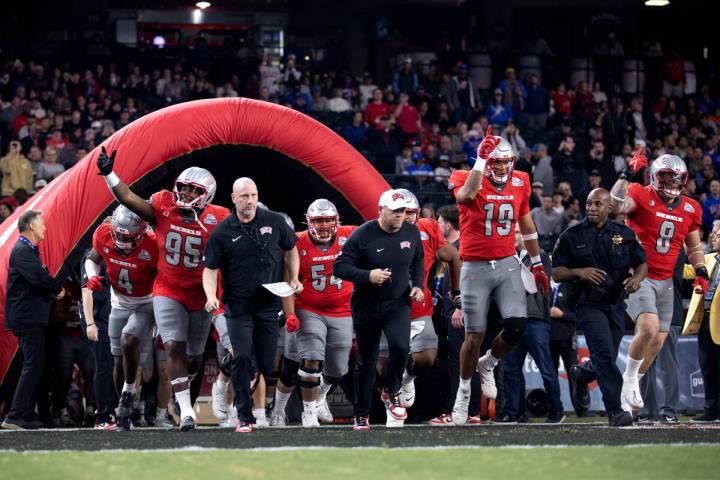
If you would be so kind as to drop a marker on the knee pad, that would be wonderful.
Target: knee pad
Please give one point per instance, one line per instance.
(513, 328)
(288, 372)
(193, 365)
(416, 369)
(226, 365)
(271, 379)
(310, 377)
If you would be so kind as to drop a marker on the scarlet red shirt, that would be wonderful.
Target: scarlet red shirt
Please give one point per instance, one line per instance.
(323, 293)
(432, 240)
(375, 110)
(132, 276)
(487, 224)
(181, 242)
(661, 230)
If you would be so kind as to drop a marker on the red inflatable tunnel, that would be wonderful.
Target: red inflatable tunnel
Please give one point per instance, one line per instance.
(293, 158)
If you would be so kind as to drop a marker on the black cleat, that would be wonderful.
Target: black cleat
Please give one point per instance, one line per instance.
(507, 418)
(581, 393)
(124, 412)
(187, 423)
(621, 419)
(704, 418)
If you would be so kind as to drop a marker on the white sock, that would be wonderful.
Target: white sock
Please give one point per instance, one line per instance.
(465, 384)
(309, 407)
(407, 378)
(488, 361)
(281, 400)
(183, 399)
(258, 413)
(324, 386)
(633, 367)
(220, 381)
(129, 387)
(160, 412)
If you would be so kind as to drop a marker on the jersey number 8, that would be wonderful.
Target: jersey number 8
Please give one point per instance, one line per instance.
(667, 230)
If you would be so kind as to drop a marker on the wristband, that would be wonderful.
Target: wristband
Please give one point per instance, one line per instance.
(536, 260)
(619, 199)
(530, 236)
(479, 165)
(112, 180)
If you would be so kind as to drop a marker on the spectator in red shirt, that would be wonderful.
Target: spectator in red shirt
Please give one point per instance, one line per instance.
(407, 116)
(376, 108)
(563, 100)
(672, 72)
(584, 103)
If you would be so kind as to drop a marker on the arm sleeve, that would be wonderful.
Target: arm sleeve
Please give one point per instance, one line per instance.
(213, 251)
(345, 266)
(417, 267)
(28, 265)
(560, 255)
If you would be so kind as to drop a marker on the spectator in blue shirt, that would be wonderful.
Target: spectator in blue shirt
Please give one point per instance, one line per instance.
(538, 103)
(497, 112)
(711, 205)
(356, 133)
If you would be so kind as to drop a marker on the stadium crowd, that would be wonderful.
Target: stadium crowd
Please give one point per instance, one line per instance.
(417, 128)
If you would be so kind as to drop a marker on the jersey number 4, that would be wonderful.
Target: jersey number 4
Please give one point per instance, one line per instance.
(185, 248)
(505, 217)
(123, 281)
(319, 278)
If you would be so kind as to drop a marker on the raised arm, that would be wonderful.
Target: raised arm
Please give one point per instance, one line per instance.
(619, 199)
(466, 193)
(120, 189)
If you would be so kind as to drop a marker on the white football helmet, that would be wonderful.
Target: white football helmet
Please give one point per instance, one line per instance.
(668, 175)
(128, 229)
(497, 167)
(323, 220)
(201, 181)
(412, 206)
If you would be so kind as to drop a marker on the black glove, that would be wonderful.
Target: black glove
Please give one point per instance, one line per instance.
(105, 163)
(702, 272)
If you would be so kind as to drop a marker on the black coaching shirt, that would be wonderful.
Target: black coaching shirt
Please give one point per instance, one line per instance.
(249, 255)
(371, 247)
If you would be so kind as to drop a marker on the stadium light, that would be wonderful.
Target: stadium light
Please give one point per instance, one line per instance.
(657, 3)
(202, 5)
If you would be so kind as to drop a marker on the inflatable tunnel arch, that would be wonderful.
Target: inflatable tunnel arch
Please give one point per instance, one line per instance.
(293, 158)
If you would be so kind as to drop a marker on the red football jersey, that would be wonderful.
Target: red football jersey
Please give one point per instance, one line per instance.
(661, 231)
(432, 240)
(487, 225)
(130, 276)
(181, 242)
(322, 292)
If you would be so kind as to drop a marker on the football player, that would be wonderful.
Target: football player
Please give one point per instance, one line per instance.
(423, 339)
(183, 220)
(323, 322)
(492, 198)
(663, 220)
(130, 252)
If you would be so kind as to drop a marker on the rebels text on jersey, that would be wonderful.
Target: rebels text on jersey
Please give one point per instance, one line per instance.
(323, 293)
(662, 230)
(432, 240)
(487, 224)
(181, 241)
(131, 277)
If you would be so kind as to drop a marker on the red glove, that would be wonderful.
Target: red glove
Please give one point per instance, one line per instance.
(701, 281)
(488, 144)
(638, 161)
(292, 323)
(95, 283)
(541, 279)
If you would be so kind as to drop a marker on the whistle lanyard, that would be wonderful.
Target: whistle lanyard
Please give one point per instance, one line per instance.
(28, 243)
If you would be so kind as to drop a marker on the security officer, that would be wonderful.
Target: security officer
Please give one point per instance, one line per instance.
(604, 261)
(251, 247)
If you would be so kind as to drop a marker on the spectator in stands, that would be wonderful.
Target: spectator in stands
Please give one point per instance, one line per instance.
(50, 168)
(407, 116)
(638, 123)
(463, 92)
(442, 171)
(600, 161)
(497, 112)
(384, 143)
(537, 192)
(6, 209)
(569, 166)
(711, 205)
(512, 135)
(470, 145)
(538, 103)
(584, 104)
(337, 104)
(542, 167)
(16, 171)
(376, 108)
(547, 221)
(514, 92)
(356, 133)
(405, 80)
(563, 101)
(672, 72)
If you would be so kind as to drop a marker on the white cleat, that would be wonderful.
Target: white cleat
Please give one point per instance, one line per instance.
(393, 422)
(278, 419)
(231, 421)
(630, 393)
(164, 422)
(462, 403)
(487, 378)
(261, 421)
(407, 392)
(323, 411)
(220, 400)
(310, 419)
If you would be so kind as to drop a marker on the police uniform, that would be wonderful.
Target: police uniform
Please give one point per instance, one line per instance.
(600, 310)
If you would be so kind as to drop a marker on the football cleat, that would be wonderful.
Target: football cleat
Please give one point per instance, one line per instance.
(164, 422)
(323, 411)
(187, 423)
(630, 393)
(474, 420)
(487, 378)
(310, 420)
(108, 426)
(243, 427)
(407, 393)
(442, 420)
(460, 409)
(124, 412)
(394, 405)
(621, 419)
(278, 419)
(220, 399)
(361, 423)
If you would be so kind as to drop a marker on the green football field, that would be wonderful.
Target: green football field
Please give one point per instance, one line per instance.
(585, 462)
